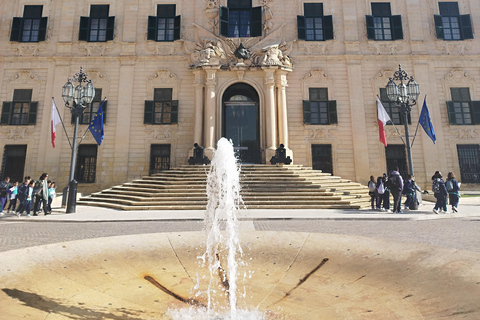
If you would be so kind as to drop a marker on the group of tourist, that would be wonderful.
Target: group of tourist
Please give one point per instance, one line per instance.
(28, 196)
(393, 184)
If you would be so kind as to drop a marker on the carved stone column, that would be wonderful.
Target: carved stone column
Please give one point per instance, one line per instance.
(270, 114)
(210, 107)
(199, 99)
(282, 108)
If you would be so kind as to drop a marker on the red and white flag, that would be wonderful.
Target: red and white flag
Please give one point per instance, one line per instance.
(383, 118)
(55, 120)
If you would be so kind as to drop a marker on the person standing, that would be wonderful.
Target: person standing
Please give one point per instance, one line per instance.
(380, 186)
(22, 194)
(453, 188)
(12, 205)
(4, 191)
(41, 194)
(395, 184)
(372, 191)
(440, 193)
(386, 195)
(51, 195)
(408, 191)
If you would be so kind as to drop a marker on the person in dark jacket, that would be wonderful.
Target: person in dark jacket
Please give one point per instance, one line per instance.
(22, 195)
(4, 190)
(395, 184)
(408, 191)
(453, 191)
(440, 193)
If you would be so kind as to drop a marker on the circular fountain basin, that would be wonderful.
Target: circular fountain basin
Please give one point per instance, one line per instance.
(293, 276)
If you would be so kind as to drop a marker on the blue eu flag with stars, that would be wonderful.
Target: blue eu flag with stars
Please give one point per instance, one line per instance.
(426, 123)
(96, 125)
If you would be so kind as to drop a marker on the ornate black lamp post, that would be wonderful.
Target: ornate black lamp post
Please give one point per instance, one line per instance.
(81, 95)
(405, 96)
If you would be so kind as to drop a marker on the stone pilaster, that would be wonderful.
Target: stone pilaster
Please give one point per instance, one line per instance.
(210, 110)
(281, 84)
(270, 113)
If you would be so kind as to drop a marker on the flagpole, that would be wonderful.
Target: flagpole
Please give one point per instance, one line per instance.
(61, 121)
(398, 132)
(418, 123)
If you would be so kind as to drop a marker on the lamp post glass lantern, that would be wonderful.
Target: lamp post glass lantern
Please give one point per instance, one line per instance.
(80, 95)
(405, 95)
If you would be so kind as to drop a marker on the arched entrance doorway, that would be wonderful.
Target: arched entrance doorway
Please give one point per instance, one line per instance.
(241, 121)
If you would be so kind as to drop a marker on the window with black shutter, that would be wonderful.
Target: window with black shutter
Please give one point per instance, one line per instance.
(21, 110)
(165, 26)
(240, 20)
(86, 167)
(162, 109)
(313, 25)
(393, 109)
(450, 24)
(381, 25)
(98, 27)
(92, 108)
(32, 27)
(462, 110)
(318, 109)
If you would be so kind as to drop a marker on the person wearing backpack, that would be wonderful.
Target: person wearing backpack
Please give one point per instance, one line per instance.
(440, 192)
(380, 187)
(453, 188)
(408, 191)
(371, 191)
(395, 184)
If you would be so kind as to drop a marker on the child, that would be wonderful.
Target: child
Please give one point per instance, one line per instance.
(13, 198)
(51, 195)
(30, 197)
(452, 189)
(371, 191)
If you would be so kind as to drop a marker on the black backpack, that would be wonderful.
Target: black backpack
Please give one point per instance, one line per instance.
(393, 182)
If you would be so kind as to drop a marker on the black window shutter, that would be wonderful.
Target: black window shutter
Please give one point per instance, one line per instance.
(84, 28)
(152, 28)
(6, 108)
(148, 115)
(439, 26)
(176, 28)
(397, 30)
(327, 28)
(370, 28)
(306, 112)
(301, 27)
(174, 113)
(466, 23)
(104, 109)
(332, 112)
(110, 27)
(42, 32)
(224, 17)
(16, 29)
(32, 114)
(256, 22)
(451, 113)
(475, 107)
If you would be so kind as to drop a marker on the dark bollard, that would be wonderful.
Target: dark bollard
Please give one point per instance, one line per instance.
(72, 197)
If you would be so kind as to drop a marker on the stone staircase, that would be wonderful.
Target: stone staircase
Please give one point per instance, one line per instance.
(263, 187)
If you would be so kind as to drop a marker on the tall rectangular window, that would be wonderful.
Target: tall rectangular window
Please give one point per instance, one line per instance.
(162, 109)
(395, 156)
(165, 26)
(98, 27)
(13, 163)
(21, 111)
(469, 161)
(322, 157)
(450, 24)
(382, 25)
(159, 158)
(32, 27)
(86, 167)
(318, 109)
(313, 25)
(240, 20)
(461, 110)
(392, 109)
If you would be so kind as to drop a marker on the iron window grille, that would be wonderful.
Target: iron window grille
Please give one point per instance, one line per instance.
(98, 27)
(322, 158)
(469, 162)
(318, 109)
(395, 157)
(314, 26)
(381, 25)
(159, 158)
(20, 111)
(13, 163)
(450, 24)
(165, 26)
(162, 109)
(86, 167)
(32, 27)
(392, 109)
(240, 20)
(461, 110)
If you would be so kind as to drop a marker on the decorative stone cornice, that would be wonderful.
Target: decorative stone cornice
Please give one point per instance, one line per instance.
(159, 133)
(24, 76)
(454, 47)
(17, 132)
(467, 134)
(458, 76)
(163, 76)
(322, 134)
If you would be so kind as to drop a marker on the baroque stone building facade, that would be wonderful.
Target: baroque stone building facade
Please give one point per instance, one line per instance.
(304, 74)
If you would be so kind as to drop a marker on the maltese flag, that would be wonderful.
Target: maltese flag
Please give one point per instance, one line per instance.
(383, 118)
(55, 120)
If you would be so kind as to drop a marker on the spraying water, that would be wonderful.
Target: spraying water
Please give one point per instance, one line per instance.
(223, 191)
